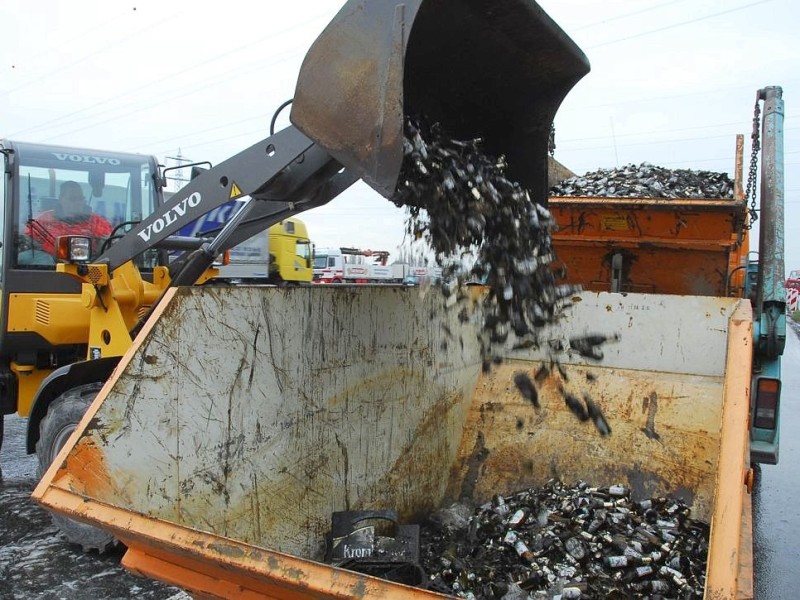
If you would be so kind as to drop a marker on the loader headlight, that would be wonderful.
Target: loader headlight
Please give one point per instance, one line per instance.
(74, 248)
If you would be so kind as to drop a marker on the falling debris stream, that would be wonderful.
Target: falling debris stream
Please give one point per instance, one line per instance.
(558, 541)
(460, 202)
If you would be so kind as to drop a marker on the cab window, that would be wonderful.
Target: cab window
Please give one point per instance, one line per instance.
(303, 250)
(59, 193)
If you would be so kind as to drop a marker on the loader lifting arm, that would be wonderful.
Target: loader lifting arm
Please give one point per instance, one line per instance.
(283, 172)
(499, 75)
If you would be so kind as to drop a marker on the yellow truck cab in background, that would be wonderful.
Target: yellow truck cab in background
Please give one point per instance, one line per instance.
(281, 254)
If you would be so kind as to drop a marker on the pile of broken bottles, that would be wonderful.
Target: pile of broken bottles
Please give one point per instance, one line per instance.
(562, 541)
(646, 181)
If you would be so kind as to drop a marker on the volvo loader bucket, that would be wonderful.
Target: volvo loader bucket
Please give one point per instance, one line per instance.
(492, 70)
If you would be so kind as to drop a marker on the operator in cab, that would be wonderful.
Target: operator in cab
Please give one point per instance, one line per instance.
(72, 216)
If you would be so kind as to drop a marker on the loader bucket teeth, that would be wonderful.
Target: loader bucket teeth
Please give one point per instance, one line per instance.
(492, 70)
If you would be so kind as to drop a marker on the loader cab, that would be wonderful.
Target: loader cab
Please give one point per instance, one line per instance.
(43, 323)
(116, 190)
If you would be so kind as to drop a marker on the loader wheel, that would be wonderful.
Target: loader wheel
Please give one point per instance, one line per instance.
(63, 415)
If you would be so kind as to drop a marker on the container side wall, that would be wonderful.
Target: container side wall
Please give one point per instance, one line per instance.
(725, 554)
(254, 413)
(685, 335)
(664, 435)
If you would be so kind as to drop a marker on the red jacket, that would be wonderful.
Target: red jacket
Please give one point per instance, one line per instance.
(93, 225)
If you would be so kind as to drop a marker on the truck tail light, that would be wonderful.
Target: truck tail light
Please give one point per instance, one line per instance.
(226, 257)
(768, 395)
(73, 248)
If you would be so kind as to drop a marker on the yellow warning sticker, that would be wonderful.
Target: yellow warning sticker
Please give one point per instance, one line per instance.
(615, 223)
(235, 191)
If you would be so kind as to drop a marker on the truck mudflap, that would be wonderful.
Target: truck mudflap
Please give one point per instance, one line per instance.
(493, 70)
(221, 474)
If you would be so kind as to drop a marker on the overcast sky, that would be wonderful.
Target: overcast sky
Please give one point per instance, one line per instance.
(672, 83)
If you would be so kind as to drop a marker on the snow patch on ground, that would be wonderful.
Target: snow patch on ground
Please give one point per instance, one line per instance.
(35, 562)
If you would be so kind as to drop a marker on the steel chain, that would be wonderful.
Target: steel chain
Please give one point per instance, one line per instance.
(750, 190)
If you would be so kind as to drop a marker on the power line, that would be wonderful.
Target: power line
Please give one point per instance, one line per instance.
(81, 59)
(603, 137)
(622, 101)
(162, 99)
(626, 15)
(195, 132)
(651, 142)
(248, 133)
(674, 25)
(182, 71)
(71, 36)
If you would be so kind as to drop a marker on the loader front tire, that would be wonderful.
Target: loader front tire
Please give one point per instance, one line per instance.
(63, 416)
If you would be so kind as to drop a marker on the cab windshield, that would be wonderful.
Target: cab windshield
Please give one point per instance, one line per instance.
(64, 191)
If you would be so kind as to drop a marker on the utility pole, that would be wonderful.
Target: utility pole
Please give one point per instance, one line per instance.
(178, 179)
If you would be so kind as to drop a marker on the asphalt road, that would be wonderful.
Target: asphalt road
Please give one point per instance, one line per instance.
(776, 508)
(35, 563)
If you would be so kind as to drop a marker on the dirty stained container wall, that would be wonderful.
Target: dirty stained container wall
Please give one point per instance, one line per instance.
(660, 386)
(254, 413)
(243, 417)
